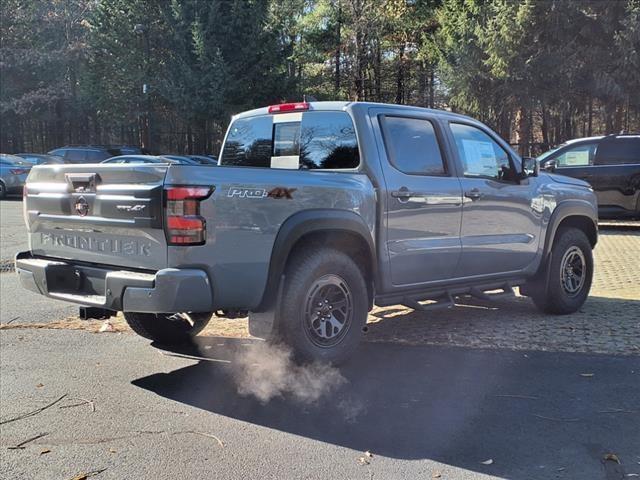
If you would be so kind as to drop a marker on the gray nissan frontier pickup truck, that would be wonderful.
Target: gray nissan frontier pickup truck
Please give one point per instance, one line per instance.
(315, 212)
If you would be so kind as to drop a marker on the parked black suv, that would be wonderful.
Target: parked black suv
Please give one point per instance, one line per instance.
(611, 164)
(85, 154)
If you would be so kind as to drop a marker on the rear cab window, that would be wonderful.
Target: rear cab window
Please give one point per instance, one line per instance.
(311, 140)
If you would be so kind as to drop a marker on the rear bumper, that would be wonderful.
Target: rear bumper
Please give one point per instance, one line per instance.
(169, 290)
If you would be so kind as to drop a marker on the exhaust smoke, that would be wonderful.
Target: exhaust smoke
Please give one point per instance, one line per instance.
(267, 371)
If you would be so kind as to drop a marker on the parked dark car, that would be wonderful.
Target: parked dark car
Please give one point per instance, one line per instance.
(40, 158)
(140, 159)
(13, 174)
(85, 154)
(611, 164)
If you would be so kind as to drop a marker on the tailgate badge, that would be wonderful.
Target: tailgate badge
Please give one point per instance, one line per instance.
(130, 208)
(82, 206)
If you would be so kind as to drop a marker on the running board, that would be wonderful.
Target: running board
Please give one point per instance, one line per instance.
(446, 299)
(507, 291)
(440, 303)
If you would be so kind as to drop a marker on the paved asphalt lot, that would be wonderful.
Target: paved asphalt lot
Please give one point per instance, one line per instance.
(437, 408)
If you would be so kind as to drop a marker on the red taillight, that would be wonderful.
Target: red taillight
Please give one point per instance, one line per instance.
(184, 225)
(18, 171)
(289, 107)
(183, 193)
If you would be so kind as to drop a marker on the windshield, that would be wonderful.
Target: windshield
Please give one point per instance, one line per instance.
(548, 153)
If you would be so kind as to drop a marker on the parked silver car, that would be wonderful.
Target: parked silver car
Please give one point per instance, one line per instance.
(13, 174)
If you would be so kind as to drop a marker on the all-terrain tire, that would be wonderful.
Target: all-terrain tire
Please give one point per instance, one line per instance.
(554, 291)
(309, 276)
(167, 328)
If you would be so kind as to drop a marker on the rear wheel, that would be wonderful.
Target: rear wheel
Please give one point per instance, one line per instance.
(324, 306)
(167, 328)
(3, 191)
(564, 286)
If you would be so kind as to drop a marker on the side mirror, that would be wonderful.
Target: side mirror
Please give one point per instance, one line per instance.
(530, 167)
(550, 166)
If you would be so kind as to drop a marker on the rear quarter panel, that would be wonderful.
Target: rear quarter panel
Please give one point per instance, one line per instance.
(245, 213)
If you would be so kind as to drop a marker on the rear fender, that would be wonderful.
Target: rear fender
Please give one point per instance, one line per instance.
(304, 223)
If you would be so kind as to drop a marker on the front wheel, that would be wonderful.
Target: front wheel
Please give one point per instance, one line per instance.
(565, 285)
(324, 306)
(167, 328)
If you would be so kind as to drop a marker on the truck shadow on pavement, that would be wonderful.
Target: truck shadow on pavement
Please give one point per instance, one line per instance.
(534, 414)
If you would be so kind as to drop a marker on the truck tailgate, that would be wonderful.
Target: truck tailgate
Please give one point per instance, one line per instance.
(107, 214)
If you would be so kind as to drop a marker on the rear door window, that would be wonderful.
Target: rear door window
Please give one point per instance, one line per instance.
(96, 156)
(312, 140)
(75, 156)
(412, 145)
(619, 151)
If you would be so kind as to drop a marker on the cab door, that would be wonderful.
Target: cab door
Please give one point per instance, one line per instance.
(500, 228)
(423, 198)
(576, 161)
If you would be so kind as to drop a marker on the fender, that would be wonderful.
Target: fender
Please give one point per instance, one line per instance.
(569, 208)
(302, 223)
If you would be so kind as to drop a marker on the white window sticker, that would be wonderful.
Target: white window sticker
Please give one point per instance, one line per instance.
(291, 162)
(576, 157)
(480, 157)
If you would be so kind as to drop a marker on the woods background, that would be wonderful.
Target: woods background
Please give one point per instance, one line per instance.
(168, 74)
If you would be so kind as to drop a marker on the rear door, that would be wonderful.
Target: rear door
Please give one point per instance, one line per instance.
(423, 198)
(106, 214)
(616, 175)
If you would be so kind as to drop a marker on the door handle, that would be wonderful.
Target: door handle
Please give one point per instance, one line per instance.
(473, 194)
(402, 195)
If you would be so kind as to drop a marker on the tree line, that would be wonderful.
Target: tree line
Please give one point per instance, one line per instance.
(168, 74)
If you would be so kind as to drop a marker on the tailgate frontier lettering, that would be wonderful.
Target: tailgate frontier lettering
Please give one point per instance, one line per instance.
(115, 246)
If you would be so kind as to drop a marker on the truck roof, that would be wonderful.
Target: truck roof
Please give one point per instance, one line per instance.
(342, 105)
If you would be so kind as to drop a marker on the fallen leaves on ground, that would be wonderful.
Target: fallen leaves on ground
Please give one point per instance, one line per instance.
(44, 451)
(365, 459)
(612, 457)
(84, 476)
(106, 326)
